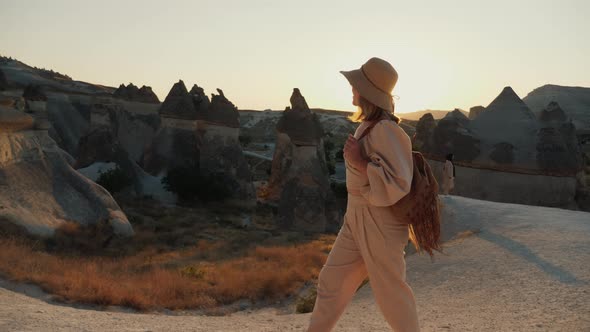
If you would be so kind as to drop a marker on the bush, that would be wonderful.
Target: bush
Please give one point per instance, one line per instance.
(188, 183)
(306, 302)
(245, 140)
(114, 180)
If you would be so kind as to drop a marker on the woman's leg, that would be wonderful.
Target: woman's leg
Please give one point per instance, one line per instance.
(381, 241)
(338, 281)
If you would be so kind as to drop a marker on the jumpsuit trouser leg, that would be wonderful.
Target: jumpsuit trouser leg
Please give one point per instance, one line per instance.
(371, 242)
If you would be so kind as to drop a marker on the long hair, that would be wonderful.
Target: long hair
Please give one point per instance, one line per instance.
(367, 111)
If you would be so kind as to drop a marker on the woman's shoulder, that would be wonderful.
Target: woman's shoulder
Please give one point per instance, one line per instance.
(388, 127)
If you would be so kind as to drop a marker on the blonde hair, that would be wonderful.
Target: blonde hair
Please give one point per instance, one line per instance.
(367, 111)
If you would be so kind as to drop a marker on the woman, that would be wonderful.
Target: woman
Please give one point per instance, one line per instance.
(448, 180)
(371, 241)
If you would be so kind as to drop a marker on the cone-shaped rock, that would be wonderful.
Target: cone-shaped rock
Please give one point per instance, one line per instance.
(299, 123)
(178, 103)
(40, 190)
(553, 112)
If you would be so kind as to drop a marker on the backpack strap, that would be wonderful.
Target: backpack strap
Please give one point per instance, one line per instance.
(367, 130)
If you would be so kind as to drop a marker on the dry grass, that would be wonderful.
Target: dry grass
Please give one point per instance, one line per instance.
(196, 276)
(180, 258)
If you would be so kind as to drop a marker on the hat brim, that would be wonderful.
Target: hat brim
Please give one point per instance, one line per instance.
(359, 81)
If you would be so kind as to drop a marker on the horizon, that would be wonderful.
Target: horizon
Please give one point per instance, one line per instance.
(448, 55)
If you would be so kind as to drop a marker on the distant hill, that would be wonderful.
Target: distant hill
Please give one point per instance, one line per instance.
(575, 102)
(437, 114)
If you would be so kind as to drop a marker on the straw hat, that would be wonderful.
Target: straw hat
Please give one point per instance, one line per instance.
(374, 81)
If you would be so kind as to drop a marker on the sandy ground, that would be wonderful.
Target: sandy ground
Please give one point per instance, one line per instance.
(523, 268)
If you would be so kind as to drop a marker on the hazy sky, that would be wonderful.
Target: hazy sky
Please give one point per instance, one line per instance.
(448, 53)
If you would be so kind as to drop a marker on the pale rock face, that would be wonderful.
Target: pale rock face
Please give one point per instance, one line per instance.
(40, 191)
(575, 102)
(12, 120)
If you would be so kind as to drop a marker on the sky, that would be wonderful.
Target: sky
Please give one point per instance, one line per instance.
(449, 54)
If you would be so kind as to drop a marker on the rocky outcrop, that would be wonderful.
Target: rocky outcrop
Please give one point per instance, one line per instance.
(552, 113)
(177, 141)
(453, 135)
(557, 145)
(3, 81)
(222, 111)
(503, 153)
(200, 101)
(34, 93)
(220, 149)
(299, 178)
(575, 102)
(39, 189)
(299, 123)
(422, 140)
(178, 103)
(475, 111)
(133, 93)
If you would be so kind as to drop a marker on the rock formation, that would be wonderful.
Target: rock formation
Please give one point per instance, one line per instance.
(422, 140)
(299, 176)
(453, 135)
(575, 102)
(34, 93)
(222, 111)
(176, 144)
(552, 112)
(178, 103)
(557, 147)
(132, 93)
(3, 81)
(39, 189)
(475, 111)
(200, 101)
(220, 151)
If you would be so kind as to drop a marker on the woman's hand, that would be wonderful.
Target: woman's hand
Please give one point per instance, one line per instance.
(353, 155)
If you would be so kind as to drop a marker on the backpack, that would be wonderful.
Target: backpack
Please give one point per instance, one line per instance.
(421, 206)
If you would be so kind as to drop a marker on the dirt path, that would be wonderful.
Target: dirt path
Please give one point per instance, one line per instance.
(524, 269)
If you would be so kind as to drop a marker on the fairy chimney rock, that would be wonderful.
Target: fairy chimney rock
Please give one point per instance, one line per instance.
(509, 103)
(552, 112)
(475, 111)
(223, 112)
(178, 103)
(300, 123)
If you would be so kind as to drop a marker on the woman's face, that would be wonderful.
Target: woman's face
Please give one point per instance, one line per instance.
(355, 97)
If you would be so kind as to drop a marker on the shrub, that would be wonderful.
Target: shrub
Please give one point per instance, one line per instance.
(188, 183)
(306, 302)
(245, 140)
(114, 180)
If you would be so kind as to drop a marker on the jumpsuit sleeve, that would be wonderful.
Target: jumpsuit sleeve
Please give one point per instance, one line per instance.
(391, 166)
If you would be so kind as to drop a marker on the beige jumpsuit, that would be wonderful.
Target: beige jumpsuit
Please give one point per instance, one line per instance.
(371, 241)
